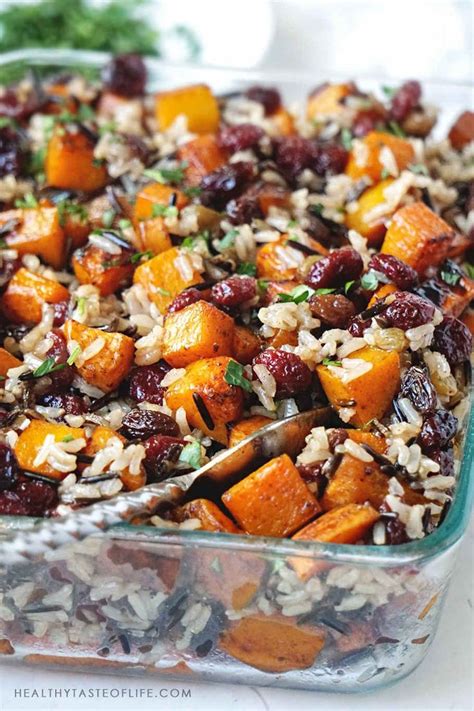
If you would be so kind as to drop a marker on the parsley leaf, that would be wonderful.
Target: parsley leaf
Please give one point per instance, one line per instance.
(469, 269)
(192, 191)
(297, 295)
(316, 209)
(159, 210)
(247, 268)
(450, 278)
(335, 363)
(141, 255)
(389, 91)
(323, 292)
(227, 241)
(27, 202)
(346, 139)
(348, 286)
(396, 129)
(234, 375)
(369, 281)
(191, 454)
(67, 207)
(108, 217)
(166, 175)
(48, 366)
(76, 352)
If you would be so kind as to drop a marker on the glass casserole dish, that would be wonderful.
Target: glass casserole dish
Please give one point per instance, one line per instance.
(195, 604)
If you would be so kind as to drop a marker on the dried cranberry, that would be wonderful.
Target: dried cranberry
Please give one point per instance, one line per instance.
(408, 311)
(61, 379)
(453, 339)
(358, 325)
(312, 474)
(418, 388)
(71, 404)
(11, 504)
(145, 423)
(234, 291)
(395, 532)
(368, 120)
(243, 209)
(267, 96)
(402, 275)
(334, 310)
(144, 384)
(336, 269)
(291, 374)
(186, 298)
(405, 100)
(240, 137)
(39, 497)
(8, 468)
(445, 459)
(293, 154)
(160, 450)
(437, 430)
(12, 157)
(331, 158)
(60, 313)
(336, 436)
(125, 75)
(8, 267)
(12, 107)
(225, 183)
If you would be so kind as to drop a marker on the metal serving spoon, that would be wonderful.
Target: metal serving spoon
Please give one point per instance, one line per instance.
(227, 467)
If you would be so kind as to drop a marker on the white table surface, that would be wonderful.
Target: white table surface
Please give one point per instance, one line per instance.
(443, 682)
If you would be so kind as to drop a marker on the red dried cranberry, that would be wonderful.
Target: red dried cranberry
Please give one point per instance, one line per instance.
(39, 497)
(225, 183)
(293, 154)
(12, 107)
(243, 210)
(11, 504)
(186, 298)
(445, 459)
(291, 374)
(125, 75)
(159, 450)
(336, 269)
(334, 310)
(453, 339)
(12, 157)
(270, 98)
(61, 379)
(336, 436)
(234, 291)
(312, 474)
(367, 120)
(418, 388)
(240, 137)
(437, 430)
(8, 468)
(60, 313)
(71, 404)
(8, 267)
(405, 100)
(395, 532)
(408, 311)
(357, 326)
(331, 159)
(145, 383)
(402, 275)
(145, 423)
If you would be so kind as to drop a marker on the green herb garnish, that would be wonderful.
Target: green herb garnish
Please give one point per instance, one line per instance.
(396, 129)
(48, 366)
(166, 175)
(76, 352)
(323, 292)
(389, 91)
(67, 207)
(191, 454)
(159, 210)
(450, 278)
(108, 217)
(81, 305)
(27, 202)
(418, 168)
(384, 174)
(348, 286)
(124, 224)
(469, 269)
(297, 295)
(227, 241)
(234, 375)
(67, 438)
(346, 139)
(247, 268)
(262, 285)
(335, 363)
(192, 191)
(316, 209)
(141, 255)
(369, 281)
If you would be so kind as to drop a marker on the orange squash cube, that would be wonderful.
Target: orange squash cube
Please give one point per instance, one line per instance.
(246, 345)
(246, 427)
(366, 162)
(418, 236)
(370, 218)
(270, 195)
(31, 440)
(70, 163)
(381, 293)
(376, 442)
(223, 402)
(162, 279)
(210, 516)
(156, 194)
(37, 232)
(462, 132)
(273, 500)
(26, 293)
(153, 236)
(283, 122)
(7, 361)
(369, 394)
(202, 155)
(327, 100)
(100, 437)
(200, 330)
(113, 361)
(93, 265)
(196, 102)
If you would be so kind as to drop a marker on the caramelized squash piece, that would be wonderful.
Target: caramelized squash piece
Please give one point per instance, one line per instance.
(370, 218)
(273, 644)
(7, 361)
(31, 440)
(36, 231)
(458, 298)
(283, 338)
(196, 102)
(381, 293)
(153, 236)
(157, 194)
(105, 271)
(162, 278)
(26, 293)
(246, 344)
(223, 402)
(246, 427)
(462, 132)
(99, 438)
(234, 580)
(70, 163)
(346, 524)
(200, 330)
(364, 158)
(418, 236)
(283, 122)
(270, 195)
(202, 155)
(371, 393)
(113, 361)
(327, 100)
(273, 500)
(276, 260)
(210, 516)
(76, 227)
(376, 442)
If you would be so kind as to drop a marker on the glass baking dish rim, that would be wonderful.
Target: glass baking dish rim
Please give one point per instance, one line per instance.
(409, 553)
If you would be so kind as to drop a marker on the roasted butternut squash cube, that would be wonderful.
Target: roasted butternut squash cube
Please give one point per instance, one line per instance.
(70, 163)
(273, 500)
(202, 155)
(458, 297)
(210, 516)
(381, 293)
(200, 330)
(346, 524)
(283, 122)
(372, 213)
(283, 338)
(98, 440)
(157, 194)
(76, 226)
(374, 441)
(31, 441)
(368, 394)
(153, 236)
(246, 427)
(113, 360)
(273, 644)
(327, 100)
(365, 159)
(234, 580)
(462, 132)
(7, 361)
(105, 271)
(224, 403)
(196, 102)
(419, 237)
(162, 277)
(276, 260)
(36, 231)
(246, 345)
(271, 195)
(26, 293)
